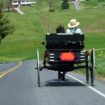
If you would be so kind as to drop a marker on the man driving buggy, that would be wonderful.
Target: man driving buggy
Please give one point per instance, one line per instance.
(73, 27)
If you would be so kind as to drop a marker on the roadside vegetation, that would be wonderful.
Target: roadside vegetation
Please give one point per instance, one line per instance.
(30, 29)
(5, 27)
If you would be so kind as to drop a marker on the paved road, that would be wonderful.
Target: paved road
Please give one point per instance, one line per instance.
(5, 66)
(20, 88)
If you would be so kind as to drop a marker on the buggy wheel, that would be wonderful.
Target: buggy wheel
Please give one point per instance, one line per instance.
(38, 68)
(92, 66)
(87, 69)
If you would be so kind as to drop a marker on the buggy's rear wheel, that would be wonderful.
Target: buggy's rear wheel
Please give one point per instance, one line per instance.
(92, 66)
(87, 68)
(38, 68)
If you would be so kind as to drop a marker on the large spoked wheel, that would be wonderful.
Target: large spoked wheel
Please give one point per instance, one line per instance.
(87, 68)
(92, 66)
(38, 68)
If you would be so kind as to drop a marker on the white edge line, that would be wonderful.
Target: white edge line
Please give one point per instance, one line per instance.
(90, 87)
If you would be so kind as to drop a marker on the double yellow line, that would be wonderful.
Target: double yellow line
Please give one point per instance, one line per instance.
(2, 74)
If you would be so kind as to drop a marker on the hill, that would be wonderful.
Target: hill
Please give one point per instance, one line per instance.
(30, 29)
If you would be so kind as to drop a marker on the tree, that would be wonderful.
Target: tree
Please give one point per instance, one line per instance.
(5, 27)
(65, 4)
(51, 5)
(9, 4)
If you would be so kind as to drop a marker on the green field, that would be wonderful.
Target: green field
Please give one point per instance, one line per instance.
(30, 30)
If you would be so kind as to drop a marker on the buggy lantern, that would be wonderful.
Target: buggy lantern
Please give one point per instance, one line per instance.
(67, 56)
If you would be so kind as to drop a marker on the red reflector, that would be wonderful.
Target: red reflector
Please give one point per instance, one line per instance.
(67, 56)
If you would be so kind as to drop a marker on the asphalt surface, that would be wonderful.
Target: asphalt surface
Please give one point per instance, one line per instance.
(7, 65)
(20, 88)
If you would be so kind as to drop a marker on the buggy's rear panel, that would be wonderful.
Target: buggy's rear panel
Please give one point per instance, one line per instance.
(60, 45)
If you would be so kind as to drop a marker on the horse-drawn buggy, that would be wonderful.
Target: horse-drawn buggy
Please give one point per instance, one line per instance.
(65, 53)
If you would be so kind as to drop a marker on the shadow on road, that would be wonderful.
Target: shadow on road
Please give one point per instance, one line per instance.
(67, 82)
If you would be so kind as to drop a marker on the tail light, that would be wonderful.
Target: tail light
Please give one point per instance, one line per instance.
(67, 56)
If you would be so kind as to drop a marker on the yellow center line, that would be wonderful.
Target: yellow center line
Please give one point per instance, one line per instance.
(2, 74)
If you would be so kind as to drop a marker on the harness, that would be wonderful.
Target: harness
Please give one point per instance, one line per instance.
(73, 30)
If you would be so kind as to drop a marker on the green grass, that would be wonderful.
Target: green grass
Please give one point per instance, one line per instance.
(30, 30)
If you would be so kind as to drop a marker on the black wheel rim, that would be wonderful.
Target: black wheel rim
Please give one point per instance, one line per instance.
(93, 66)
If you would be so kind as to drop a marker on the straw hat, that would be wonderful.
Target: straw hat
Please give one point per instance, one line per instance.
(73, 23)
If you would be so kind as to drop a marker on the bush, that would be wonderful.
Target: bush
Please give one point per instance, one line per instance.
(51, 6)
(51, 10)
(5, 27)
(65, 4)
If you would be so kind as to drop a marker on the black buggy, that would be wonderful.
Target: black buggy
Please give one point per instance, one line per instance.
(64, 53)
